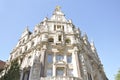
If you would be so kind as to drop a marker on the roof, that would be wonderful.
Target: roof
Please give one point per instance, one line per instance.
(2, 63)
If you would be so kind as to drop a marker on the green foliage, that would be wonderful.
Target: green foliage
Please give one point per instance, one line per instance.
(13, 73)
(117, 76)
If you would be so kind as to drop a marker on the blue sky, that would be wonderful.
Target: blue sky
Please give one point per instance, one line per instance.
(100, 19)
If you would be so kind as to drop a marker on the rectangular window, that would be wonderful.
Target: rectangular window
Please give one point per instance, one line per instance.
(69, 58)
(26, 75)
(59, 38)
(60, 71)
(49, 72)
(49, 58)
(70, 72)
(59, 27)
(63, 28)
(89, 77)
(59, 57)
(54, 27)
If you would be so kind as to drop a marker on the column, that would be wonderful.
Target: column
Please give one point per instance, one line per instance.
(42, 62)
(54, 67)
(21, 74)
(65, 59)
(78, 64)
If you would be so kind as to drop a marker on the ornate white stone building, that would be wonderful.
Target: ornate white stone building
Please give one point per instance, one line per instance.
(55, 50)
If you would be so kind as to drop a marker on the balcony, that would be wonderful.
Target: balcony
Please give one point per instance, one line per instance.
(60, 78)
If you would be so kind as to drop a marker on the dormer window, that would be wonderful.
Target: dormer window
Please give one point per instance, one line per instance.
(54, 27)
(58, 27)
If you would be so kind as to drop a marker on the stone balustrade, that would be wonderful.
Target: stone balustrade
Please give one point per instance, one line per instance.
(60, 78)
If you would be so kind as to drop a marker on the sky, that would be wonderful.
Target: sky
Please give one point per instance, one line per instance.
(100, 19)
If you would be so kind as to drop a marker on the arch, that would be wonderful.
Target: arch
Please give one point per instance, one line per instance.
(50, 40)
(67, 41)
(89, 76)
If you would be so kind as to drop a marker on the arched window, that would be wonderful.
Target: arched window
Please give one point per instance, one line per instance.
(50, 40)
(67, 41)
(89, 77)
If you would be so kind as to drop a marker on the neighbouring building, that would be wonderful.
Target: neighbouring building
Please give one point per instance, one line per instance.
(2, 64)
(56, 50)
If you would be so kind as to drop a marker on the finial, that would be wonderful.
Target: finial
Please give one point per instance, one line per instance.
(57, 8)
(27, 28)
(92, 43)
(85, 36)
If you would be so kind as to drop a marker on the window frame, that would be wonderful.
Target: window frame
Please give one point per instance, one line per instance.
(60, 71)
(59, 57)
(69, 58)
(70, 72)
(49, 72)
(50, 58)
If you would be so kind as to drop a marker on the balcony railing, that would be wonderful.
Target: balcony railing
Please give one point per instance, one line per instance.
(60, 78)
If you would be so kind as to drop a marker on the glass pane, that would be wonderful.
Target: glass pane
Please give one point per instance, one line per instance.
(60, 71)
(50, 59)
(69, 58)
(89, 77)
(58, 26)
(51, 40)
(59, 37)
(49, 72)
(70, 72)
(59, 57)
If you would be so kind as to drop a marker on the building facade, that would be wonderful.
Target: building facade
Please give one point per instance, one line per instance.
(56, 50)
(2, 64)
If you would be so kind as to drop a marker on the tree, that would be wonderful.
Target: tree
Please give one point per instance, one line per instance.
(117, 76)
(13, 73)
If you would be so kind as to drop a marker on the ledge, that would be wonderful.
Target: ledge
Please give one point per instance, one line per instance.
(60, 78)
